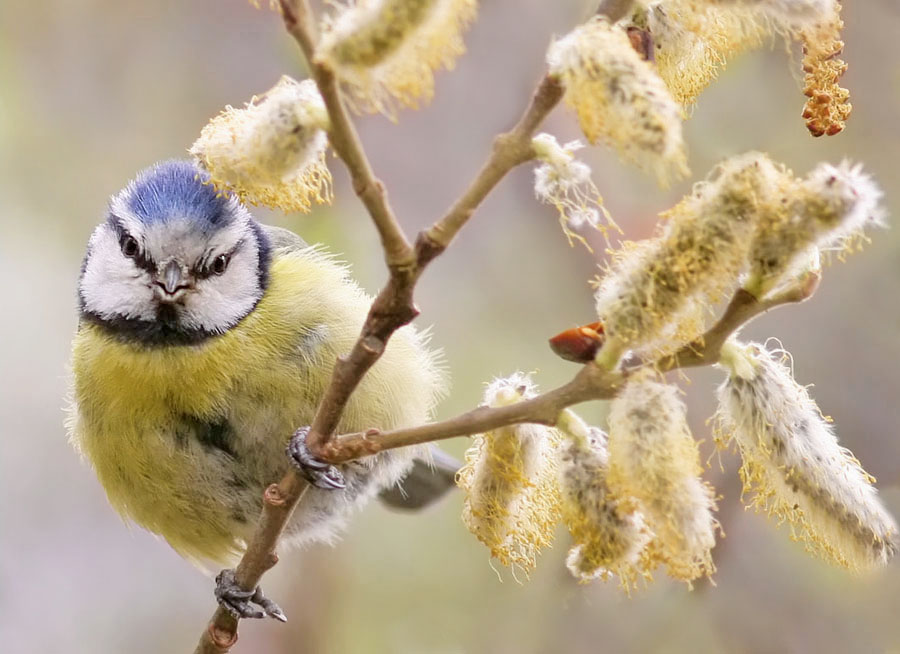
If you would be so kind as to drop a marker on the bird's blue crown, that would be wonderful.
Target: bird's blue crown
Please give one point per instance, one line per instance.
(176, 188)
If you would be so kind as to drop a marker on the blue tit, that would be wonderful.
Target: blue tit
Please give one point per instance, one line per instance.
(205, 340)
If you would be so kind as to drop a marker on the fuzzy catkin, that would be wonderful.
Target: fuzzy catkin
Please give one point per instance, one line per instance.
(510, 480)
(695, 40)
(386, 51)
(787, 15)
(656, 293)
(830, 208)
(272, 152)
(619, 99)
(654, 458)
(609, 534)
(793, 467)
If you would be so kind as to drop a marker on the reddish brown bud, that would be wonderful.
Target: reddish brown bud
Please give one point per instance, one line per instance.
(579, 344)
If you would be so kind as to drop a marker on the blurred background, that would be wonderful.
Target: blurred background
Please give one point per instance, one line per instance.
(94, 91)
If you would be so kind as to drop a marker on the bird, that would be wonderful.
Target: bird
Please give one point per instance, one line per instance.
(205, 343)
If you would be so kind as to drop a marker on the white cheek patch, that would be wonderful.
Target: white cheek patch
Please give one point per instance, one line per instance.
(112, 285)
(220, 301)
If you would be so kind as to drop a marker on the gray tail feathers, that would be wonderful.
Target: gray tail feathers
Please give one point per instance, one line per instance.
(426, 483)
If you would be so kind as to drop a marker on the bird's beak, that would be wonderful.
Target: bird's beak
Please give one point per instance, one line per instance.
(172, 282)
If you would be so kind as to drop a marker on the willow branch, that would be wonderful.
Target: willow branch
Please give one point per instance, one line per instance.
(743, 308)
(391, 309)
(344, 139)
(591, 383)
(394, 307)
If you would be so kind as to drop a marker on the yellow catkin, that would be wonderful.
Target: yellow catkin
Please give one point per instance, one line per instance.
(828, 107)
(657, 293)
(272, 152)
(787, 15)
(653, 457)
(829, 209)
(386, 51)
(619, 98)
(695, 40)
(793, 467)
(609, 534)
(511, 482)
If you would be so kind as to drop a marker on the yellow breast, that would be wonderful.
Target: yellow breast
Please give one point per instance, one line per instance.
(265, 376)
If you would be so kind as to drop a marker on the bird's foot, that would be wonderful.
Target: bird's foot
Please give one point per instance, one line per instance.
(245, 603)
(318, 473)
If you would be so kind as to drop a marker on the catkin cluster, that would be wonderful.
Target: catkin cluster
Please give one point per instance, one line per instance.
(386, 51)
(656, 292)
(654, 458)
(619, 98)
(749, 223)
(512, 496)
(609, 533)
(793, 467)
(695, 39)
(272, 152)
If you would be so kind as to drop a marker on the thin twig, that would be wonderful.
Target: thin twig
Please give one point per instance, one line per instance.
(344, 139)
(591, 383)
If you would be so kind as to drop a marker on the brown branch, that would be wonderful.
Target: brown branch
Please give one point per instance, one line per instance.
(591, 383)
(344, 139)
(743, 308)
(394, 305)
(391, 309)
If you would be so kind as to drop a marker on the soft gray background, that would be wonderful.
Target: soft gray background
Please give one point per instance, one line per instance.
(95, 90)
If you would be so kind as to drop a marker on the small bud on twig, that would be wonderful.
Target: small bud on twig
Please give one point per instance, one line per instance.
(565, 182)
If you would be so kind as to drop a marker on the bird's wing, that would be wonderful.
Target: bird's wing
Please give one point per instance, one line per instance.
(283, 240)
(426, 483)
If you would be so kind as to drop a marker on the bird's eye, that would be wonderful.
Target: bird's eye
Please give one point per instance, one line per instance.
(219, 264)
(129, 246)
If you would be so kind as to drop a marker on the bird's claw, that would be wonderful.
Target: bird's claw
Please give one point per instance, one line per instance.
(318, 473)
(245, 603)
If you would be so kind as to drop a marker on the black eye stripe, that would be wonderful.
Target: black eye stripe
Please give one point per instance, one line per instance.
(141, 259)
(204, 267)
